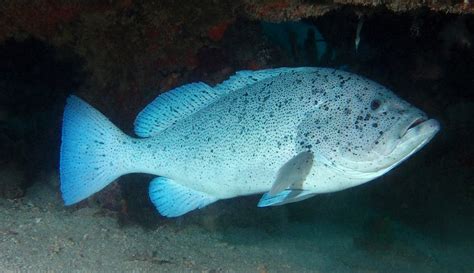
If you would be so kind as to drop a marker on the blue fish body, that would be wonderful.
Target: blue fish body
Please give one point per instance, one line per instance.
(289, 133)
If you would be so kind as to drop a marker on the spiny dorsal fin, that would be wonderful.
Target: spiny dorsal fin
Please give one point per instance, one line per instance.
(248, 77)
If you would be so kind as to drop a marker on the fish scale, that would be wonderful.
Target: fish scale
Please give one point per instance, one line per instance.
(289, 133)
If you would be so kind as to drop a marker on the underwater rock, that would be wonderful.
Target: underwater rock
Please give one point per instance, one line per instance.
(127, 46)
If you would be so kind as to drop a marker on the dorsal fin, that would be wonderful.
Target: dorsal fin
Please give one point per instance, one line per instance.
(248, 77)
(188, 99)
(172, 106)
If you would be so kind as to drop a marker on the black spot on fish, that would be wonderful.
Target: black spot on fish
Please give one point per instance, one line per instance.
(375, 104)
(342, 83)
(375, 125)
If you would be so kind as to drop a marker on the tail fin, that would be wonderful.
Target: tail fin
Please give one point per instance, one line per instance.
(93, 151)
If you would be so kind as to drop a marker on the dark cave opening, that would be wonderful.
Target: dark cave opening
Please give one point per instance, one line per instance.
(35, 79)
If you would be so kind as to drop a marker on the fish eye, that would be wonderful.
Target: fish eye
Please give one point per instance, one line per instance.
(375, 104)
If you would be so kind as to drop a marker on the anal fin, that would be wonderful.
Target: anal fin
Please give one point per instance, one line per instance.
(172, 199)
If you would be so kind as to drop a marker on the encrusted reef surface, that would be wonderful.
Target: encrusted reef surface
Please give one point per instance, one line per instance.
(131, 46)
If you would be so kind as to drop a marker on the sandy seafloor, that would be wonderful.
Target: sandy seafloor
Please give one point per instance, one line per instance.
(39, 234)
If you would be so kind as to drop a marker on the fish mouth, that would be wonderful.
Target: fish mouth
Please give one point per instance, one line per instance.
(393, 147)
(406, 130)
(419, 128)
(413, 125)
(416, 135)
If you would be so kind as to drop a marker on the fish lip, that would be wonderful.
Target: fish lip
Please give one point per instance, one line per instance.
(417, 132)
(424, 131)
(414, 124)
(421, 130)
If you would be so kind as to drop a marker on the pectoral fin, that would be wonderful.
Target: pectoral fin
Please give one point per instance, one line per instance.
(284, 197)
(293, 173)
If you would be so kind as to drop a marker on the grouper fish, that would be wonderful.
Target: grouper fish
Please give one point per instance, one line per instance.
(289, 133)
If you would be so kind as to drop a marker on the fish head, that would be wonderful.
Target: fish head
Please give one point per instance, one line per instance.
(366, 130)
